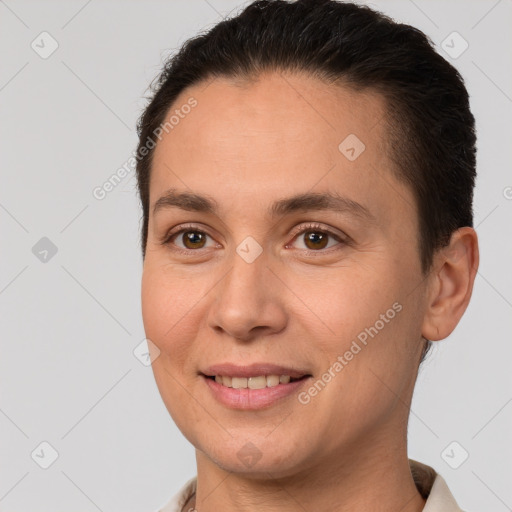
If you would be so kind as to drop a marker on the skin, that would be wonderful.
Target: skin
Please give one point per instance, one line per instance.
(247, 145)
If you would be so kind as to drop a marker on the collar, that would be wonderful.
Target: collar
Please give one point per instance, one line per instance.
(429, 483)
(432, 486)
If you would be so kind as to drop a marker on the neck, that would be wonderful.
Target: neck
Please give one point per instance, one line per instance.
(361, 480)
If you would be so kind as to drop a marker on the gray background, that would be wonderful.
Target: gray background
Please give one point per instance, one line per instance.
(70, 324)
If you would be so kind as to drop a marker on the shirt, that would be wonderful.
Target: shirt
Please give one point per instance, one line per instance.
(429, 483)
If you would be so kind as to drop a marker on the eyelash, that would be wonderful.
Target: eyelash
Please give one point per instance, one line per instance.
(313, 227)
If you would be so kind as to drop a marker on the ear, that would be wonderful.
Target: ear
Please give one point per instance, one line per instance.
(451, 284)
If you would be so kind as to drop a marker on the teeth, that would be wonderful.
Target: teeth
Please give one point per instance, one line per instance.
(259, 382)
(272, 380)
(239, 382)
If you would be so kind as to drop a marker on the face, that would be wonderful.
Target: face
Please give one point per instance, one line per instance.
(294, 253)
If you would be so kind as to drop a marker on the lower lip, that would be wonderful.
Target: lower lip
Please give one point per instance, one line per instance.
(251, 399)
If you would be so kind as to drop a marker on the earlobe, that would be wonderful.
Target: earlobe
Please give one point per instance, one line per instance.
(451, 284)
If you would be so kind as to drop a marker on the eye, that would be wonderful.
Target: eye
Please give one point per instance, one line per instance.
(311, 237)
(187, 239)
(315, 238)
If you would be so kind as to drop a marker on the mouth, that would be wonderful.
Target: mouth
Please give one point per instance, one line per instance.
(256, 382)
(254, 376)
(255, 386)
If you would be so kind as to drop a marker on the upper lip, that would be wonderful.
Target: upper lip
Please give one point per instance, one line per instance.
(253, 370)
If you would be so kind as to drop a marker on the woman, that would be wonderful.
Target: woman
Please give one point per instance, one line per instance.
(306, 174)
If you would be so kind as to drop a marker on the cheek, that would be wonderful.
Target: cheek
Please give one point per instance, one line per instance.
(168, 317)
(346, 301)
(372, 326)
(169, 311)
(374, 372)
(154, 312)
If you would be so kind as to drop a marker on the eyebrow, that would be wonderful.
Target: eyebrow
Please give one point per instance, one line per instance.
(308, 201)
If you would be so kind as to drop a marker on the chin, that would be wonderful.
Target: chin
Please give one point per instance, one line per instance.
(257, 456)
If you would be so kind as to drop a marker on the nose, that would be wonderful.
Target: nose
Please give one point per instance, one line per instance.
(249, 301)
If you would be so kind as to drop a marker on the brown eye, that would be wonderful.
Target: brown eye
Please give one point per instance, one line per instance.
(193, 239)
(315, 239)
(189, 240)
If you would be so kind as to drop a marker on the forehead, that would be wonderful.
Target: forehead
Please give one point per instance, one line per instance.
(276, 108)
(283, 132)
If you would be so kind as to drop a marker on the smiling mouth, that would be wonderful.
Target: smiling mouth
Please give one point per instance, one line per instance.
(257, 382)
